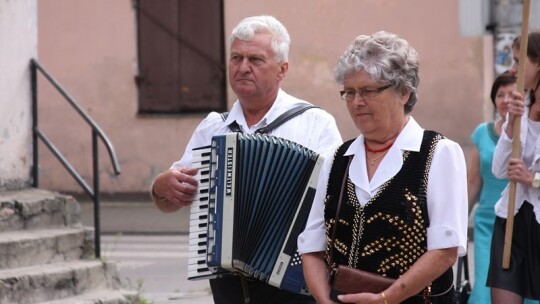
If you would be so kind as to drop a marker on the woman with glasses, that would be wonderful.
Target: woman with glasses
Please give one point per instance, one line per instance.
(392, 201)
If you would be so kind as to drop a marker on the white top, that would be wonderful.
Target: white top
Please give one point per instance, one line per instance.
(315, 129)
(501, 156)
(446, 191)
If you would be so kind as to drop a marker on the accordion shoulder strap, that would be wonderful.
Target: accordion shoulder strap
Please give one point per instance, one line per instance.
(297, 110)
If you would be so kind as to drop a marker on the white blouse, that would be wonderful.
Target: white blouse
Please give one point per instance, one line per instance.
(501, 156)
(446, 191)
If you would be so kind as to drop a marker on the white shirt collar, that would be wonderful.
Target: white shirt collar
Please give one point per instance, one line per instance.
(280, 105)
(409, 139)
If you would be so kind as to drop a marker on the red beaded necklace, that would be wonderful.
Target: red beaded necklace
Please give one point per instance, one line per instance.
(378, 150)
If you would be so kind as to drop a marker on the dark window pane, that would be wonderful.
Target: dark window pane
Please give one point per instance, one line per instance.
(181, 56)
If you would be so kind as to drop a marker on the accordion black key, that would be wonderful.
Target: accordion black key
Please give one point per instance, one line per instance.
(255, 194)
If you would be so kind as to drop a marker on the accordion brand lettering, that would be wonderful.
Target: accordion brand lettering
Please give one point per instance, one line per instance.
(228, 184)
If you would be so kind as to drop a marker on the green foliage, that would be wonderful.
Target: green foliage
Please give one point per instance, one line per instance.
(138, 298)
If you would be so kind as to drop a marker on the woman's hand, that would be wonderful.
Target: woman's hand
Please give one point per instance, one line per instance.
(316, 274)
(518, 172)
(364, 298)
(516, 108)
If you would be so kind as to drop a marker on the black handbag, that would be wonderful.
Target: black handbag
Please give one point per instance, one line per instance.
(463, 287)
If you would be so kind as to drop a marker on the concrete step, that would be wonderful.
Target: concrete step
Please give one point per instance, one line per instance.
(33, 208)
(33, 247)
(101, 297)
(57, 281)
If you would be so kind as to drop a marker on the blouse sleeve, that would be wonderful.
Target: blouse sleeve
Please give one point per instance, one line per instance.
(501, 155)
(313, 238)
(447, 198)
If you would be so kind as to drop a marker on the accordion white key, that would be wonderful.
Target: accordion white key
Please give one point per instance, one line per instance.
(255, 194)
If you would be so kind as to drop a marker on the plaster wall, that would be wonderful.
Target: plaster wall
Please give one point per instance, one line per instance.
(18, 44)
(451, 66)
(92, 51)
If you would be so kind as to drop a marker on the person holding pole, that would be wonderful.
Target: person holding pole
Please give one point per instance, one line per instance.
(482, 187)
(522, 277)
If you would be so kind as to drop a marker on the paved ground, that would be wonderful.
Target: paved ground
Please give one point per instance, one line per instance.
(138, 217)
(155, 265)
(150, 248)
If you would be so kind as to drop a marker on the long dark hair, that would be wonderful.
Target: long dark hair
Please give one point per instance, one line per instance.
(533, 53)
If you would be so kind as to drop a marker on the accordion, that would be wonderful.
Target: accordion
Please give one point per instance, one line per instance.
(254, 197)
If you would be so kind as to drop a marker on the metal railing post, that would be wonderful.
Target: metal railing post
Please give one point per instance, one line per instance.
(97, 221)
(35, 155)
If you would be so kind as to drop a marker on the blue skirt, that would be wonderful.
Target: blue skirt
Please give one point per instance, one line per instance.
(523, 275)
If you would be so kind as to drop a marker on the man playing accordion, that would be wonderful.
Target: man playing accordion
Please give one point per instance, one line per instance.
(257, 65)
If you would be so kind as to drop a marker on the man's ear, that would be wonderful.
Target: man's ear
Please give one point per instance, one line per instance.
(283, 68)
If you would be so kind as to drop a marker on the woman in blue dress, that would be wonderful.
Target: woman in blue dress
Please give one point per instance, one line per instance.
(485, 188)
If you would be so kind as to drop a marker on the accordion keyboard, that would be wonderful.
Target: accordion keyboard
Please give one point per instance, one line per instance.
(197, 267)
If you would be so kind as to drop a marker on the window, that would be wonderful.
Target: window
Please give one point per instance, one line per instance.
(181, 56)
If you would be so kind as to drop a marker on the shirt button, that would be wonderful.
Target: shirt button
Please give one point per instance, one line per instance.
(448, 232)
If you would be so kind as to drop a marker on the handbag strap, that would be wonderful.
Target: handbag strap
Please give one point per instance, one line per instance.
(462, 268)
(336, 217)
(466, 266)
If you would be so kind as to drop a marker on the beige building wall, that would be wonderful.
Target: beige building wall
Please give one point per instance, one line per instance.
(18, 44)
(92, 51)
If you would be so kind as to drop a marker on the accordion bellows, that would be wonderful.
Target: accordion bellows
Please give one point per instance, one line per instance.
(255, 194)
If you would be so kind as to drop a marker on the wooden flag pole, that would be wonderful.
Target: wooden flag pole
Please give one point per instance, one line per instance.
(516, 142)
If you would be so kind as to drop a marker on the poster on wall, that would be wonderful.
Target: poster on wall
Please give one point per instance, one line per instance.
(503, 51)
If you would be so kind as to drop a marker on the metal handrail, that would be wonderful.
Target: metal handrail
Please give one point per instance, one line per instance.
(96, 132)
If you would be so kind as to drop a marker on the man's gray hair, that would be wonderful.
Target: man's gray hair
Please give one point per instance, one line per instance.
(248, 27)
(386, 58)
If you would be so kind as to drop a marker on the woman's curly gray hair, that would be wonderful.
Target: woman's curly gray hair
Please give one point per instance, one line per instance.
(387, 58)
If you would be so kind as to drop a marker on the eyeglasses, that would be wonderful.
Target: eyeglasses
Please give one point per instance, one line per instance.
(349, 94)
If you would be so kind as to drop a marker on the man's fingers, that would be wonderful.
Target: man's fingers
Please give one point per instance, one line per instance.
(190, 171)
(186, 176)
(188, 187)
(182, 200)
(183, 186)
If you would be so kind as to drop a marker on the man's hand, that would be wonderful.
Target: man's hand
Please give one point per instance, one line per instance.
(175, 188)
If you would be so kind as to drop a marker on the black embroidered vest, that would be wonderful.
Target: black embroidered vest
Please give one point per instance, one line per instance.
(388, 234)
